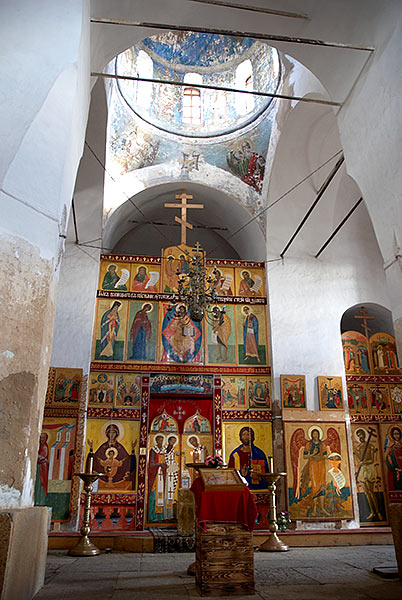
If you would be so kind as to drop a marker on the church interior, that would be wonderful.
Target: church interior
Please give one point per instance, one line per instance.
(201, 262)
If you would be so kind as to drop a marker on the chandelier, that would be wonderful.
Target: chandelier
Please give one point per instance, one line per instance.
(197, 289)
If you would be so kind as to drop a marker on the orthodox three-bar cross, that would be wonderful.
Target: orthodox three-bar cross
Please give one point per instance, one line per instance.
(184, 207)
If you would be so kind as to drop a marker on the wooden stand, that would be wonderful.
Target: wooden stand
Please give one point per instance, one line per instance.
(224, 560)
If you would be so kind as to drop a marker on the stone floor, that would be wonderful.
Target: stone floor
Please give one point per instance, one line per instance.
(301, 574)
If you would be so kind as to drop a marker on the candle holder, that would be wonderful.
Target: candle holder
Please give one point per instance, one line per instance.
(85, 547)
(273, 543)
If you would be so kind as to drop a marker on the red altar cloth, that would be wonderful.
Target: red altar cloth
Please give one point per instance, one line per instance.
(221, 506)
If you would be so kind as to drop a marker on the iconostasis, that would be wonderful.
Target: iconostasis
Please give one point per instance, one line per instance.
(165, 391)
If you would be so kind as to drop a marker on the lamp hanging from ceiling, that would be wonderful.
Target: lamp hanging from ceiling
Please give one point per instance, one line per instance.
(196, 288)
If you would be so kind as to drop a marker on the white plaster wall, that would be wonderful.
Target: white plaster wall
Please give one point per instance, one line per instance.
(43, 114)
(371, 128)
(75, 306)
(43, 109)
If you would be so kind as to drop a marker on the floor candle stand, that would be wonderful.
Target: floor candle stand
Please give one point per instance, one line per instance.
(85, 547)
(273, 543)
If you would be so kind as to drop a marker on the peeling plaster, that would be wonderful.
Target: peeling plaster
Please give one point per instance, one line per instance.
(9, 497)
(8, 354)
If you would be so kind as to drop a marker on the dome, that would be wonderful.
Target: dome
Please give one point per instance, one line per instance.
(192, 59)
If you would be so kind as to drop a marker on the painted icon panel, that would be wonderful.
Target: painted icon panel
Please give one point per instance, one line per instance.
(226, 279)
(67, 386)
(355, 352)
(396, 397)
(391, 439)
(181, 336)
(383, 350)
(175, 262)
(250, 282)
(318, 471)
(221, 335)
(293, 391)
(259, 391)
(357, 398)
(101, 388)
(330, 393)
(114, 276)
(195, 448)
(145, 277)
(247, 448)
(251, 335)
(115, 453)
(128, 390)
(142, 331)
(379, 402)
(163, 476)
(55, 466)
(110, 330)
(234, 392)
(369, 474)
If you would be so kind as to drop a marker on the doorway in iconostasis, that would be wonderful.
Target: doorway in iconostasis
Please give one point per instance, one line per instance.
(174, 443)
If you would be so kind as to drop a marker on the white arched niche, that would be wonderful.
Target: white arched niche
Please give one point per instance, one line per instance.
(127, 230)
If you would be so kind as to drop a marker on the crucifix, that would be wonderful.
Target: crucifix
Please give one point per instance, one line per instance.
(364, 317)
(184, 207)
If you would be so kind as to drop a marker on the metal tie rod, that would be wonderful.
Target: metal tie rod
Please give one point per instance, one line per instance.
(230, 32)
(214, 87)
(319, 196)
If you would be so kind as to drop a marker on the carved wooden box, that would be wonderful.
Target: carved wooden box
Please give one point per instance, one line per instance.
(224, 560)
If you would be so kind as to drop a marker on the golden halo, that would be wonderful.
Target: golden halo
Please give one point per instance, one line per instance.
(106, 425)
(174, 436)
(245, 271)
(111, 265)
(393, 426)
(155, 436)
(191, 435)
(358, 429)
(149, 304)
(140, 267)
(113, 451)
(310, 430)
(244, 307)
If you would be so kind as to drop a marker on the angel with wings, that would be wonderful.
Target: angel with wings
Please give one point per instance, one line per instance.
(311, 459)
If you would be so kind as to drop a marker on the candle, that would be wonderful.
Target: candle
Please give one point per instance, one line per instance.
(271, 464)
(90, 462)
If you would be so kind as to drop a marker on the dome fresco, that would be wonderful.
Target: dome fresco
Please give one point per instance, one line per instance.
(192, 49)
(190, 59)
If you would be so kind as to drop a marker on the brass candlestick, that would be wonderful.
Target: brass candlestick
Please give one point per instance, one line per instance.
(273, 543)
(85, 547)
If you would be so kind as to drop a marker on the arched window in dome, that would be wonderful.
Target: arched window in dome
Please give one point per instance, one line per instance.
(244, 81)
(145, 68)
(192, 100)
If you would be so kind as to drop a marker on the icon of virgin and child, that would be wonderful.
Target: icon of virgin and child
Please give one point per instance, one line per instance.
(112, 459)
